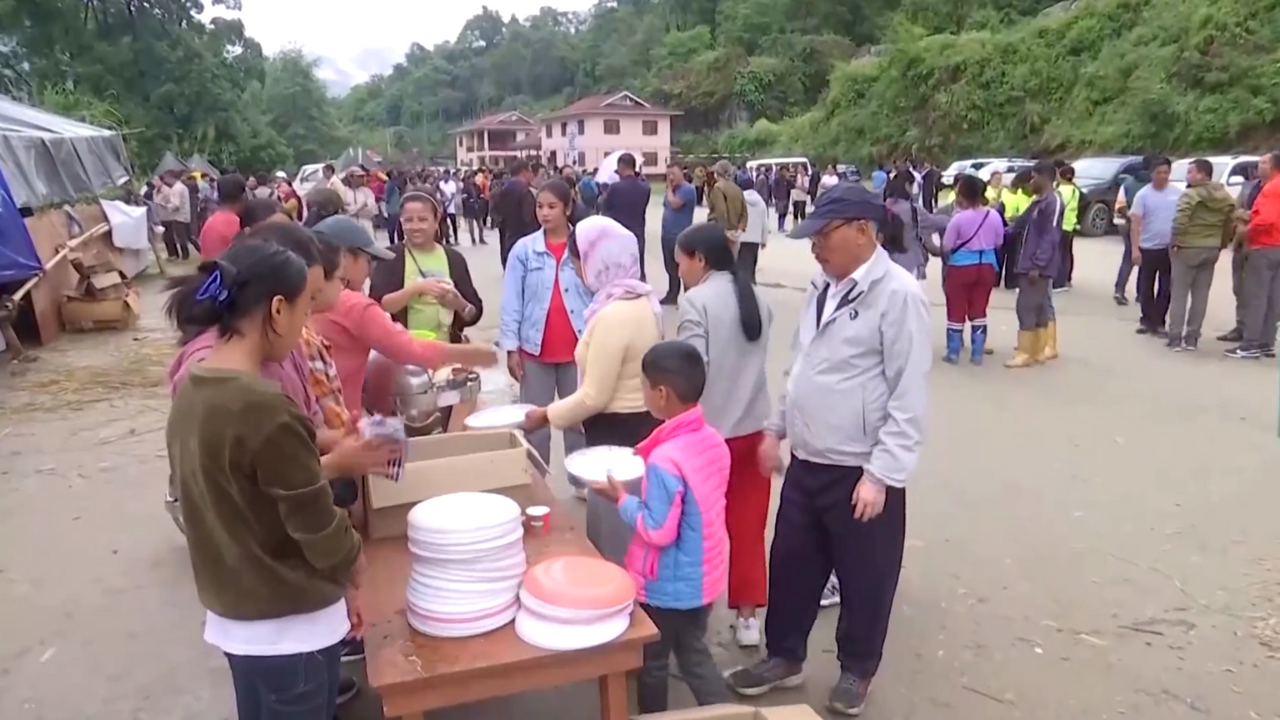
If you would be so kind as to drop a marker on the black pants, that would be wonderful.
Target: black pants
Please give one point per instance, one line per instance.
(395, 233)
(453, 227)
(177, 239)
(683, 633)
(673, 270)
(748, 257)
(1154, 291)
(799, 210)
(815, 532)
(1066, 259)
(1012, 250)
(700, 190)
(640, 244)
(287, 687)
(624, 429)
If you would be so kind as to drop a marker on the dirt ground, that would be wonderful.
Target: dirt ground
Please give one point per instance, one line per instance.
(1092, 539)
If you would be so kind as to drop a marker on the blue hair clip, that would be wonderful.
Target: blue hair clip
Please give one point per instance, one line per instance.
(212, 289)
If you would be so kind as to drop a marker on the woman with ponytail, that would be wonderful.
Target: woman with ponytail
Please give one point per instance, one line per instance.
(726, 319)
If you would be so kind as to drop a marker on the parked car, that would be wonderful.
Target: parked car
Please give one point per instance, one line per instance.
(1099, 181)
(1230, 170)
(1007, 168)
(972, 167)
(850, 173)
(308, 177)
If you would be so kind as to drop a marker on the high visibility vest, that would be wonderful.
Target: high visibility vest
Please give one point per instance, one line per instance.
(1070, 195)
(1015, 203)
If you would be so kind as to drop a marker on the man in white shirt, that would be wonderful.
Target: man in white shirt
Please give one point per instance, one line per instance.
(361, 203)
(449, 197)
(174, 200)
(332, 181)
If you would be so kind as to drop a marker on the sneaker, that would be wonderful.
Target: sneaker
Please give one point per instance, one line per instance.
(764, 676)
(352, 650)
(1234, 335)
(747, 632)
(849, 695)
(1160, 332)
(1246, 352)
(347, 689)
(1143, 330)
(1064, 288)
(1269, 351)
(1173, 343)
(1120, 299)
(830, 593)
(1188, 345)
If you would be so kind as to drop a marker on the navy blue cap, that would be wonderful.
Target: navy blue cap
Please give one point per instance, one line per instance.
(845, 201)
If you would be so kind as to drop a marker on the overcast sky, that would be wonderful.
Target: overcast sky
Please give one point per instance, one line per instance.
(357, 38)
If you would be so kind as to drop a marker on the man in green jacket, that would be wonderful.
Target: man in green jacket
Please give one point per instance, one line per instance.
(1203, 226)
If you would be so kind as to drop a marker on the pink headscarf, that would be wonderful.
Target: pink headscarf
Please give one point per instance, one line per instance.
(610, 260)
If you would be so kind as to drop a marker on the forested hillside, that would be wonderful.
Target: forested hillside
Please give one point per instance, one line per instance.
(852, 79)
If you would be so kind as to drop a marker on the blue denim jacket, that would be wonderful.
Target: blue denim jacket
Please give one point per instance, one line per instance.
(526, 294)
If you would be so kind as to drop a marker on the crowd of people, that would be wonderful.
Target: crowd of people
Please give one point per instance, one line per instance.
(276, 329)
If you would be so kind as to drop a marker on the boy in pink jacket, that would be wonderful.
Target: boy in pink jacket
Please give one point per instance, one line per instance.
(679, 557)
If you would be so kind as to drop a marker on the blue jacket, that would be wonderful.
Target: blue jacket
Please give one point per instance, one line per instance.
(526, 294)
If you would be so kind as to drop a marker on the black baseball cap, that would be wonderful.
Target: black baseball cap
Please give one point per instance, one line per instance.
(347, 233)
(845, 201)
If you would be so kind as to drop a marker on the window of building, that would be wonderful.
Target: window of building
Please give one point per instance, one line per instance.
(582, 127)
(582, 157)
(459, 141)
(649, 127)
(548, 129)
(564, 129)
(551, 159)
(651, 160)
(612, 127)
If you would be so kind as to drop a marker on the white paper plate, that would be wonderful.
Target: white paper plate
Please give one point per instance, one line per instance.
(464, 513)
(549, 635)
(595, 464)
(457, 630)
(498, 417)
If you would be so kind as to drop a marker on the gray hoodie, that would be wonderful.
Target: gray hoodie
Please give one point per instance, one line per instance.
(856, 390)
(757, 219)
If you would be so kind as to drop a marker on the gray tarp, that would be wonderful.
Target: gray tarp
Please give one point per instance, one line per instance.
(169, 162)
(197, 162)
(51, 159)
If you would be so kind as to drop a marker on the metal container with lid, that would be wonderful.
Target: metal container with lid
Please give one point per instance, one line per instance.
(415, 394)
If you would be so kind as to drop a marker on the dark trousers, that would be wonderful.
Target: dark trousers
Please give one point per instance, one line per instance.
(1012, 251)
(748, 257)
(453, 227)
(395, 233)
(1126, 265)
(605, 529)
(1066, 259)
(683, 633)
(287, 687)
(1034, 304)
(640, 244)
(177, 239)
(815, 532)
(673, 269)
(624, 429)
(701, 191)
(1154, 292)
(782, 215)
(799, 210)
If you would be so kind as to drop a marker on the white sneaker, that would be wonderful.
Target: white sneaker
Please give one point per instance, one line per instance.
(831, 593)
(748, 632)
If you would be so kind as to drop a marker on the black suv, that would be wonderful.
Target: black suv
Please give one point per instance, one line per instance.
(1099, 181)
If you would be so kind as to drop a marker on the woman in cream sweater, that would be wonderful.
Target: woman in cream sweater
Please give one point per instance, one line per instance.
(622, 322)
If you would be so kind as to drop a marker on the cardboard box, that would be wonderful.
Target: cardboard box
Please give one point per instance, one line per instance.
(437, 465)
(737, 712)
(101, 313)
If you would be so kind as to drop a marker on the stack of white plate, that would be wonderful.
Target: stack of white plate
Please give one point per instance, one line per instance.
(466, 563)
(572, 603)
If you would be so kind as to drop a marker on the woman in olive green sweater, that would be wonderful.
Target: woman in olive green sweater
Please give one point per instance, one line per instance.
(276, 565)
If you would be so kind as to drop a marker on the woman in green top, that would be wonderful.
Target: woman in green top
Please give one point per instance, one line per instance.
(426, 286)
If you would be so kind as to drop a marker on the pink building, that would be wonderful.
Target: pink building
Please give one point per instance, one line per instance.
(585, 132)
(495, 140)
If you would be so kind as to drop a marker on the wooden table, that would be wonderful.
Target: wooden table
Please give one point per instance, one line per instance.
(415, 673)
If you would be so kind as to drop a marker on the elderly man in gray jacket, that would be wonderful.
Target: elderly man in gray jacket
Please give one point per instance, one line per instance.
(853, 410)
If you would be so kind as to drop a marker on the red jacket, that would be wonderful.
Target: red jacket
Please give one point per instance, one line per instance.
(1264, 218)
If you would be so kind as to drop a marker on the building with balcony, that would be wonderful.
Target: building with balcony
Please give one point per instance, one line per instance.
(495, 140)
(585, 132)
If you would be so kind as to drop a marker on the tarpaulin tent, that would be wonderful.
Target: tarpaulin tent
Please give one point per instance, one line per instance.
(169, 162)
(49, 159)
(197, 162)
(18, 258)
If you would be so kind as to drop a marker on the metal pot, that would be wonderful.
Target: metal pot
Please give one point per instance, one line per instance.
(413, 393)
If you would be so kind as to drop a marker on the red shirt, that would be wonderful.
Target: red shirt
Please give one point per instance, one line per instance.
(216, 235)
(559, 339)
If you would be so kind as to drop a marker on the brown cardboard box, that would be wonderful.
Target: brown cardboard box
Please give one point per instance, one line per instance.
(737, 712)
(101, 313)
(435, 465)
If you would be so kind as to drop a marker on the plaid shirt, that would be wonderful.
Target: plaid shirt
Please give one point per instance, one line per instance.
(325, 384)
